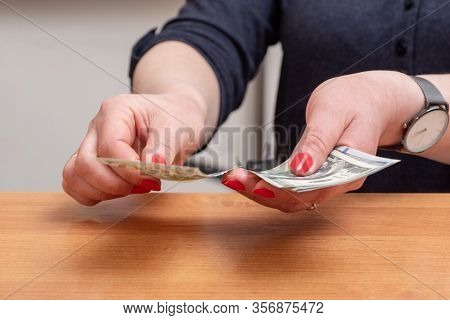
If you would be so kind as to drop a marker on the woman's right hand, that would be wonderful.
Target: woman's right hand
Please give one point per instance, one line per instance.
(163, 128)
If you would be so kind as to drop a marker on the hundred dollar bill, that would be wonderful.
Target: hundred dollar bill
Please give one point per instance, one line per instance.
(343, 165)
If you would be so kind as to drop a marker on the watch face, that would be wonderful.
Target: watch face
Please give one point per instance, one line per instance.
(426, 130)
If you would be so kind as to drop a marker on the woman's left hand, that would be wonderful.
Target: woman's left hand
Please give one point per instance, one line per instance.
(362, 111)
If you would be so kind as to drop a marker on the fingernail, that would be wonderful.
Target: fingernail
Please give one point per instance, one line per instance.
(266, 193)
(234, 184)
(156, 158)
(301, 163)
(146, 186)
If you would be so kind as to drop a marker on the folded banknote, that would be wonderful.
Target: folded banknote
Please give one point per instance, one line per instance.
(343, 165)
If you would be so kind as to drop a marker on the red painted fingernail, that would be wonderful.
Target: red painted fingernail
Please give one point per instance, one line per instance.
(146, 186)
(266, 193)
(234, 184)
(139, 190)
(156, 158)
(301, 163)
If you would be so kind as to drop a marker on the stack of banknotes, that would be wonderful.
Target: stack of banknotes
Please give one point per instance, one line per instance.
(343, 165)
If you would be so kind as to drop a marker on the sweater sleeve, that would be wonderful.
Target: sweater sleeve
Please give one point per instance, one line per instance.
(232, 35)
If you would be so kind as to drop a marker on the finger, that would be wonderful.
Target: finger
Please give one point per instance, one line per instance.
(324, 128)
(116, 130)
(78, 197)
(311, 198)
(256, 189)
(246, 182)
(240, 180)
(283, 199)
(168, 142)
(100, 176)
(80, 186)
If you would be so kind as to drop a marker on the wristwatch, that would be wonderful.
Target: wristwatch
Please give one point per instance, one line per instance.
(428, 125)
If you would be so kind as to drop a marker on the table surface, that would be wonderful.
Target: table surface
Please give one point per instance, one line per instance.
(223, 246)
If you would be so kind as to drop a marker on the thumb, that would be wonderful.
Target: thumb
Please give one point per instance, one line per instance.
(167, 144)
(321, 135)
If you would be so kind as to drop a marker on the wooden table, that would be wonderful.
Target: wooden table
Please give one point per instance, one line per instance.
(222, 246)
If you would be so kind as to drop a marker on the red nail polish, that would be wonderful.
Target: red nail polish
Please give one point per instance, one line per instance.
(146, 186)
(266, 193)
(234, 184)
(301, 163)
(156, 158)
(139, 190)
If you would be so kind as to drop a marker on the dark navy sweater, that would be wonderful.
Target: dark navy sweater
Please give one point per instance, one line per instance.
(321, 39)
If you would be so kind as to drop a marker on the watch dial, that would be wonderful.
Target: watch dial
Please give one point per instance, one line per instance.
(426, 131)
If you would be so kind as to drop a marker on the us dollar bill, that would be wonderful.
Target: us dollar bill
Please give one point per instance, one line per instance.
(343, 165)
(161, 171)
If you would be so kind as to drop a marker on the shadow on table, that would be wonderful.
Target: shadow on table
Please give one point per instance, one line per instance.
(101, 215)
(253, 241)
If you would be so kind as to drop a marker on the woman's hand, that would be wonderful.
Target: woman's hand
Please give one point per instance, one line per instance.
(361, 111)
(162, 128)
